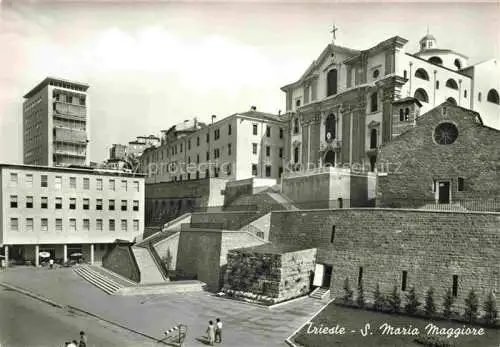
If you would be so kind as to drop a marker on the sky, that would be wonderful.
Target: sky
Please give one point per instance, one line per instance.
(152, 64)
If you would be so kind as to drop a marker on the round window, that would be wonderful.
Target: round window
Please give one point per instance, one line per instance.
(445, 133)
(376, 73)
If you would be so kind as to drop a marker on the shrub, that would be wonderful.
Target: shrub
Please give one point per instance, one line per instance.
(394, 300)
(448, 301)
(430, 306)
(378, 299)
(434, 341)
(490, 310)
(347, 291)
(360, 300)
(471, 306)
(412, 302)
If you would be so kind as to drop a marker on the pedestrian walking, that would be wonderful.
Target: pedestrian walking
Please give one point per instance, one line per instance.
(218, 331)
(51, 263)
(211, 333)
(83, 339)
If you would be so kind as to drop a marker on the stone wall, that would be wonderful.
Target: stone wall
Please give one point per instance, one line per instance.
(121, 260)
(431, 246)
(223, 220)
(413, 161)
(237, 188)
(269, 277)
(167, 246)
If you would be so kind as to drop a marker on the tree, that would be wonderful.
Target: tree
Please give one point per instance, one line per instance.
(471, 306)
(360, 300)
(394, 299)
(378, 299)
(412, 302)
(490, 309)
(347, 291)
(448, 301)
(430, 306)
(167, 259)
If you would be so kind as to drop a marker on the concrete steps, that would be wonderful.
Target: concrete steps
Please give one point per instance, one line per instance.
(100, 281)
(319, 293)
(283, 200)
(147, 266)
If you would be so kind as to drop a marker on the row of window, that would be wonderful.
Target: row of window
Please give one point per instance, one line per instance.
(72, 225)
(58, 204)
(72, 182)
(267, 170)
(268, 150)
(255, 130)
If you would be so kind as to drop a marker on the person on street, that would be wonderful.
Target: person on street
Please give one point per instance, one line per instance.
(83, 339)
(218, 331)
(51, 263)
(211, 333)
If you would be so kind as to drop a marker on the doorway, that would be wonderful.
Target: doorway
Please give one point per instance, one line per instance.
(443, 192)
(330, 158)
(327, 276)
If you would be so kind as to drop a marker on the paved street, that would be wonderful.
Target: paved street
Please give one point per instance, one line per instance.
(245, 325)
(26, 322)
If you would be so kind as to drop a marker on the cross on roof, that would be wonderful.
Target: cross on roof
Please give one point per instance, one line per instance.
(333, 31)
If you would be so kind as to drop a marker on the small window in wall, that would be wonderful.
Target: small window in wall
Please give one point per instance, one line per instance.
(360, 275)
(407, 114)
(254, 169)
(461, 184)
(465, 93)
(268, 170)
(254, 129)
(332, 237)
(404, 281)
(401, 115)
(340, 203)
(479, 96)
(455, 286)
(437, 84)
(376, 73)
(374, 102)
(405, 74)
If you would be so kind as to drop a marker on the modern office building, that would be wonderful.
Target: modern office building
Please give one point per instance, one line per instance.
(64, 211)
(56, 124)
(243, 145)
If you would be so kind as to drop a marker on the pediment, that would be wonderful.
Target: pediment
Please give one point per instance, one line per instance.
(373, 124)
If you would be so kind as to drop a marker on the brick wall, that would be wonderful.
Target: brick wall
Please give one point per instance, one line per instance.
(414, 161)
(430, 246)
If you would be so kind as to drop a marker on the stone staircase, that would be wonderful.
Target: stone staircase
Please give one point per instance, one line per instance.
(147, 266)
(105, 283)
(283, 200)
(319, 293)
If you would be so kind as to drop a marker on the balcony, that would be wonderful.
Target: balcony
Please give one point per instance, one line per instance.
(68, 153)
(67, 135)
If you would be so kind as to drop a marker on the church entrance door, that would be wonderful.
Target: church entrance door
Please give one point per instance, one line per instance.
(330, 158)
(444, 192)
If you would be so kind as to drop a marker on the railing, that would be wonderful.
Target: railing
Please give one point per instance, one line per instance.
(159, 263)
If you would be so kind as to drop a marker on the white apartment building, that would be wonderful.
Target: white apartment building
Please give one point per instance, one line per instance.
(241, 146)
(56, 124)
(64, 211)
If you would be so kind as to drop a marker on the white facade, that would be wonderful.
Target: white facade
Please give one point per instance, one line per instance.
(234, 148)
(57, 207)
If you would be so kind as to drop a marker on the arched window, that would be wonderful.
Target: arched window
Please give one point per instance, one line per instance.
(405, 74)
(452, 101)
(373, 138)
(401, 115)
(479, 96)
(407, 114)
(296, 155)
(330, 127)
(452, 84)
(493, 96)
(458, 64)
(296, 126)
(331, 82)
(437, 84)
(465, 93)
(374, 102)
(422, 74)
(421, 95)
(436, 60)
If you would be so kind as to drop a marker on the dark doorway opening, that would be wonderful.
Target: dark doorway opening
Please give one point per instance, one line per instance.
(444, 193)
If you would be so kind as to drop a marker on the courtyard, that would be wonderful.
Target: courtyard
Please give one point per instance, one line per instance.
(244, 324)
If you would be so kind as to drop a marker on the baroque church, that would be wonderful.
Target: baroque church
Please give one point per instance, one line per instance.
(349, 102)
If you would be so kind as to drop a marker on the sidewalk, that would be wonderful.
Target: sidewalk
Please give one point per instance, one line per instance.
(244, 325)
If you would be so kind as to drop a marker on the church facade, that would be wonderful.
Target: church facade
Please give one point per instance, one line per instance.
(349, 102)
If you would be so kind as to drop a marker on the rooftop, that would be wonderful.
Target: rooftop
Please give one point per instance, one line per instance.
(68, 84)
(75, 169)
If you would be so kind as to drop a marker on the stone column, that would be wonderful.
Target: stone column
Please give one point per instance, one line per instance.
(91, 254)
(65, 253)
(37, 255)
(6, 253)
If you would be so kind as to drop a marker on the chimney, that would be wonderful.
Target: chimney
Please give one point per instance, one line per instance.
(213, 117)
(279, 112)
(253, 108)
